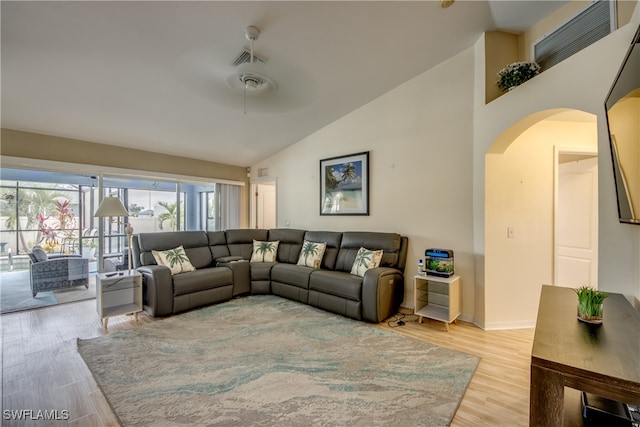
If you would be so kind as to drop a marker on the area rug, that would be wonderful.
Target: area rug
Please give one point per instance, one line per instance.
(15, 293)
(265, 360)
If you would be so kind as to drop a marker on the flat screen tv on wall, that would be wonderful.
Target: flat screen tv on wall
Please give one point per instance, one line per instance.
(623, 120)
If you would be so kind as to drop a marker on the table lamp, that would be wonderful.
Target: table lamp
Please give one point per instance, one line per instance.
(110, 207)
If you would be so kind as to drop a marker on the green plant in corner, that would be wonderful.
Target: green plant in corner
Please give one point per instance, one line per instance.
(590, 303)
(516, 73)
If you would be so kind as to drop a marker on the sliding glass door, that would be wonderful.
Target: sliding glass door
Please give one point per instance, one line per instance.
(56, 211)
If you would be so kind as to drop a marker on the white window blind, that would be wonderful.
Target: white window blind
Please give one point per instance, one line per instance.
(582, 30)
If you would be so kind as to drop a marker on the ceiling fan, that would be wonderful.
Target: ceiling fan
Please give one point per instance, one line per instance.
(250, 77)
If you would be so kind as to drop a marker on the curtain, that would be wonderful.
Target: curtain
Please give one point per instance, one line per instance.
(228, 206)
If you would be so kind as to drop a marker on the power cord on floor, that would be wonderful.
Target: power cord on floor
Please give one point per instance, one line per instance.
(401, 319)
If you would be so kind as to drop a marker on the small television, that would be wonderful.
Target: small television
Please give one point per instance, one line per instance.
(623, 121)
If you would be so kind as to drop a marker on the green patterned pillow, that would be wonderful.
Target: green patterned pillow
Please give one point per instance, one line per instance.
(365, 259)
(311, 254)
(264, 251)
(175, 259)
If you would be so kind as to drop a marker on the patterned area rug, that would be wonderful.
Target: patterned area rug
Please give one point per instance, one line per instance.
(265, 360)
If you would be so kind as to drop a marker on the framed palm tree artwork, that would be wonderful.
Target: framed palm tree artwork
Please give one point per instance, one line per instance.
(344, 185)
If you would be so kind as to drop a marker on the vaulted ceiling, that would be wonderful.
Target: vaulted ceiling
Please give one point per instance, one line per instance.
(151, 74)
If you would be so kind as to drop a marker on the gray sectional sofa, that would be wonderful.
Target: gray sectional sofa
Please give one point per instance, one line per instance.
(223, 270)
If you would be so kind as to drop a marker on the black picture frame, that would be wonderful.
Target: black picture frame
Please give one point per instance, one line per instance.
(344, 185)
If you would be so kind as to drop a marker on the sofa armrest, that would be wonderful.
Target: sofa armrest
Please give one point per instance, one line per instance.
(382, 293)
(241, 274)
(157, 289)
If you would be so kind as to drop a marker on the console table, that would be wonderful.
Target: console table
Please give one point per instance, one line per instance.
(601, 359)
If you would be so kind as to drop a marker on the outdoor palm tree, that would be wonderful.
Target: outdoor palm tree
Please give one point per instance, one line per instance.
(28, 205)
(170, 215)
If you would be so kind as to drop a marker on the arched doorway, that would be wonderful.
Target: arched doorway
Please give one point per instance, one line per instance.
(521, 179)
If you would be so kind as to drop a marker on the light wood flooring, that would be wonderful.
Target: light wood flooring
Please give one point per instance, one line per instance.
(41, 368)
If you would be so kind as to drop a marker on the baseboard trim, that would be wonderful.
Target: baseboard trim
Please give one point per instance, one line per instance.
(494, 326)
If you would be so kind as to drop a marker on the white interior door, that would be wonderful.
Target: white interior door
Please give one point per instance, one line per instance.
(266, 205)
(576, 231)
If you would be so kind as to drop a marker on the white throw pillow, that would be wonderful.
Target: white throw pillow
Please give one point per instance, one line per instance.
(264, 251)
(175, 259)
(311, 254)
(365, 259)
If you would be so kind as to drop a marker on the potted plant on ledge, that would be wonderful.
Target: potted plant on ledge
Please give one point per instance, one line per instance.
(590, 304)
(516, 73)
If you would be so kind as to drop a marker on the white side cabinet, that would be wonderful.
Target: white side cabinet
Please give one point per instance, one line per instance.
(118, 294)
(437, 298)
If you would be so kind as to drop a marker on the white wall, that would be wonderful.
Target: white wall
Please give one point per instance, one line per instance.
(519, 194)
(420, 140)
(580, 83)
(428, 139)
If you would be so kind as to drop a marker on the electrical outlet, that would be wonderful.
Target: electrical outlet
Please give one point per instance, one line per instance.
(510, 233)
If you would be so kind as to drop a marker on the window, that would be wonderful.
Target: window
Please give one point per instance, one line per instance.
(584, 29)
(220, 207)
(37, 213)
(56, 210)
(208, 210)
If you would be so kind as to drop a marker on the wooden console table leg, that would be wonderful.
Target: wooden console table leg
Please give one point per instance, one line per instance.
(546, 398)
(105, 322)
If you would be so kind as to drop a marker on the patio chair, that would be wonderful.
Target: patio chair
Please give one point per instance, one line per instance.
(47, 274)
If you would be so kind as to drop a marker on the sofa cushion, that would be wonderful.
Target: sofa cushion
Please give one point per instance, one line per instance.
(218, 244)
(290, 243)
(199, 280)
(311, 254)
(366, 259)
(39, 254)
(195, 244)
(296, 275)
(352, 241)
(240, 241)
(261, 270)
(175, 259)
(264, 251)
(336, 283)
(332, 240)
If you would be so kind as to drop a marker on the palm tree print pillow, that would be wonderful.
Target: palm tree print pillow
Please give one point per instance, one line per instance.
(264, 251)
(311, 254)
(365, 259)
(175, 259)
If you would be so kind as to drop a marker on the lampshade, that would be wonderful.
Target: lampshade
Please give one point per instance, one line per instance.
(111, 206)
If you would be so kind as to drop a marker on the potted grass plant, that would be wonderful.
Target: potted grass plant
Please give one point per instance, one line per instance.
(590, 304)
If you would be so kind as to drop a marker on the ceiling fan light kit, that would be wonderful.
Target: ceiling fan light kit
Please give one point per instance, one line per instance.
(250, 77)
